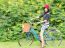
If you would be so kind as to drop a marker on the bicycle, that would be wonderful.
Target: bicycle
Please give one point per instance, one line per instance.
(52, 37)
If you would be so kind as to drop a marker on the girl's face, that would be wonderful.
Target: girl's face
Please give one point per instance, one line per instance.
(46, 9)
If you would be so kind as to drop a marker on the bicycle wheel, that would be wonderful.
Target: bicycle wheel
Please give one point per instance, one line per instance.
(53, 37)
(27, 41)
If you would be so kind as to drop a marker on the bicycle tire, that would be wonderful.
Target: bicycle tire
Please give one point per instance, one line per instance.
(54, 39)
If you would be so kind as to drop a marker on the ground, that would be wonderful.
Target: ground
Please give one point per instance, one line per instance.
(36, 44)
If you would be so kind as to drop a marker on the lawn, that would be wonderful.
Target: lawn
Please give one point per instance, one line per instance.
(36, 44)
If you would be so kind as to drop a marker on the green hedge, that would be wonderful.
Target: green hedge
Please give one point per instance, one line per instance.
(14, 12)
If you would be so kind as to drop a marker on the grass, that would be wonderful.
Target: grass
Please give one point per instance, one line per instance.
(36, 44)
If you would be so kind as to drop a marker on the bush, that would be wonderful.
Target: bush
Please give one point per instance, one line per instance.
(14, 12)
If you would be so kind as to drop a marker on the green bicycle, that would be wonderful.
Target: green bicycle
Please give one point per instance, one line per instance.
(52, 36)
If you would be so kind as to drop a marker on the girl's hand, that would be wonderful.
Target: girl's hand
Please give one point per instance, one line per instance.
(37, 17)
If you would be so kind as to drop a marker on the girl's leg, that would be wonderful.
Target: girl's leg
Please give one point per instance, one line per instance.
(42, 39)
(44, 27)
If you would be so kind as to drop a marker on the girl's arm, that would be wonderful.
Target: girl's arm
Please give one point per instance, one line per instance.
(41, 15)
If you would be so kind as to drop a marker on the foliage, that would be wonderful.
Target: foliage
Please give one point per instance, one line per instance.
(14, 12)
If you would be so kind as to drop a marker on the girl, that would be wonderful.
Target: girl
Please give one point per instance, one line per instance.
(46, 17)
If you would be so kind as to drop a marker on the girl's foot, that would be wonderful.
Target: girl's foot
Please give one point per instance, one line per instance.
(42, 47)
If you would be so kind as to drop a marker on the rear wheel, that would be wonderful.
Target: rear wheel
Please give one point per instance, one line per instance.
(53, 37)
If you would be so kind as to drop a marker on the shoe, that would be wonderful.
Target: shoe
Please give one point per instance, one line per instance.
(42, 47)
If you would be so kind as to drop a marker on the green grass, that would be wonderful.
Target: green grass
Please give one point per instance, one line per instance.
(36, 44)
